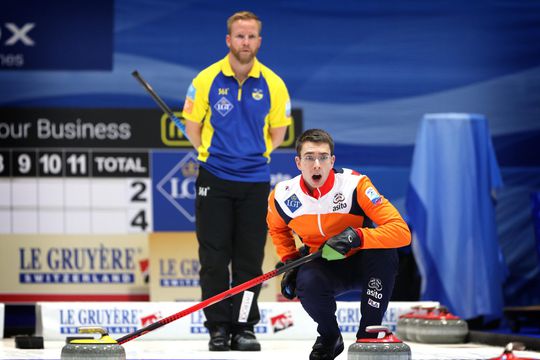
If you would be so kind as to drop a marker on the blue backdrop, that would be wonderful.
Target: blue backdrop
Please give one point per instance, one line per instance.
(366, 72)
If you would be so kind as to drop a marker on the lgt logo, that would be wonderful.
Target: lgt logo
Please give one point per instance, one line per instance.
(18, 34)
(178, 185)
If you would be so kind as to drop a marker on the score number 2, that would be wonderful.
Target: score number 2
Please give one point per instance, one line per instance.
(139, 195)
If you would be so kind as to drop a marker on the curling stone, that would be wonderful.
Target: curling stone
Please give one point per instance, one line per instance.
(414, 322)
(439, 326)
(388, 347)
(404, 321)
(508, 353)
(104, 348)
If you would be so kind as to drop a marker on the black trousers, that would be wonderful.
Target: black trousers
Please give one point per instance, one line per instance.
(320, 281)
(231, 229)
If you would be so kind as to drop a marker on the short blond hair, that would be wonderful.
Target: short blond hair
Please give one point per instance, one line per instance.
(243, 15)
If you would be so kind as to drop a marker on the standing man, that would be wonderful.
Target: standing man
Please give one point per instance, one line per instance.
(334, 210)
(237, 113)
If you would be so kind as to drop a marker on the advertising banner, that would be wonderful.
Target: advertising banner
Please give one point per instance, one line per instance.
(85, 267)
(174, 270)
(70, 127)
(279, 320)
(173, 176)
(80, 128)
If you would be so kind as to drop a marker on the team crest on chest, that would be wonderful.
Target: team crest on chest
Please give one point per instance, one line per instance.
(293, 203)
(257, 94)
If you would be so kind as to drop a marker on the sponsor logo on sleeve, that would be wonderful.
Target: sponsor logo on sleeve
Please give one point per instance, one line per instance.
(373, 196)
(190, 97)
(188, 106)
(288, 109)
(191, 92)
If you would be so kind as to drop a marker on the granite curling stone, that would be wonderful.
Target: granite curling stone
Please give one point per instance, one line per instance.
(414, 321)
(104, 348)
(439, 326)
(404, 322)
(388, 347)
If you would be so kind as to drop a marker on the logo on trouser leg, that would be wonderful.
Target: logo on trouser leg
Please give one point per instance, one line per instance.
(375, 283)
(245, 306)
(373, 303)
(203, 190)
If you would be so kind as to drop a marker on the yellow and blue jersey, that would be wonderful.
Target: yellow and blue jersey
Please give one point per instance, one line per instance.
(236, 118)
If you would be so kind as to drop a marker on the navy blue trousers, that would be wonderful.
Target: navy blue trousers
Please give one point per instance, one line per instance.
(320, 281)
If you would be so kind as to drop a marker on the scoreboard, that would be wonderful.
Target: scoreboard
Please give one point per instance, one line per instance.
(89, 171)
(80, 187)
(58, 191)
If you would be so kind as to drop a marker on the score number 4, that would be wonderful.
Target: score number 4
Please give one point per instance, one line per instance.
(139, 219)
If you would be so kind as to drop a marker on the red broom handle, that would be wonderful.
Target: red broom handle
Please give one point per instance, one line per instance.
(221, 296)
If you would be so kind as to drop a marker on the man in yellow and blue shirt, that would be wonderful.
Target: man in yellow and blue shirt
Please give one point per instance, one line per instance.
(237, 113)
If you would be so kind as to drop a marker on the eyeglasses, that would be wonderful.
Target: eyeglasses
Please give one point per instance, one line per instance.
(312, 158)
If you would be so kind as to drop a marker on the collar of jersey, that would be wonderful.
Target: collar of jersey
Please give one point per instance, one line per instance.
(227, 70)
(323, 190)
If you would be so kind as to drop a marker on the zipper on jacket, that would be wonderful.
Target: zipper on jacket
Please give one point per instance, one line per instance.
(240, 85)
(319, 213)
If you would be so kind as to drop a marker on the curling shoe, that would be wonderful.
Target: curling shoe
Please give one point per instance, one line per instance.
(245, 340)
(219, 339)
(322, 350)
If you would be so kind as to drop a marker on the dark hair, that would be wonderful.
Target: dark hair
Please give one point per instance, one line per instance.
(243, 15)
(315, 136)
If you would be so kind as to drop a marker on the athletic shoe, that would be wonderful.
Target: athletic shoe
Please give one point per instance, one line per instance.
(245, 340)
(326, 350)
(219, 339)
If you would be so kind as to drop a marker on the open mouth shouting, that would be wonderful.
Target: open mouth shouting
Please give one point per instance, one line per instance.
(316, 178)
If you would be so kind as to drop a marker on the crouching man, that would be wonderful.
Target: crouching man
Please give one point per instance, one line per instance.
(335, 210)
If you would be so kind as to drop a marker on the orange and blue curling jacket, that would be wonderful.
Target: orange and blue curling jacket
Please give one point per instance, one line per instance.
(347, 198)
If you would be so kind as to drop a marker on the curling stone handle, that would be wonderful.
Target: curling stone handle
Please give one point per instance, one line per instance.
(92, 330)
(378, 329)
(511, 346)
(442, 309)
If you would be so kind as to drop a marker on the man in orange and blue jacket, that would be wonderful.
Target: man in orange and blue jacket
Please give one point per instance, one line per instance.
(335, 210)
